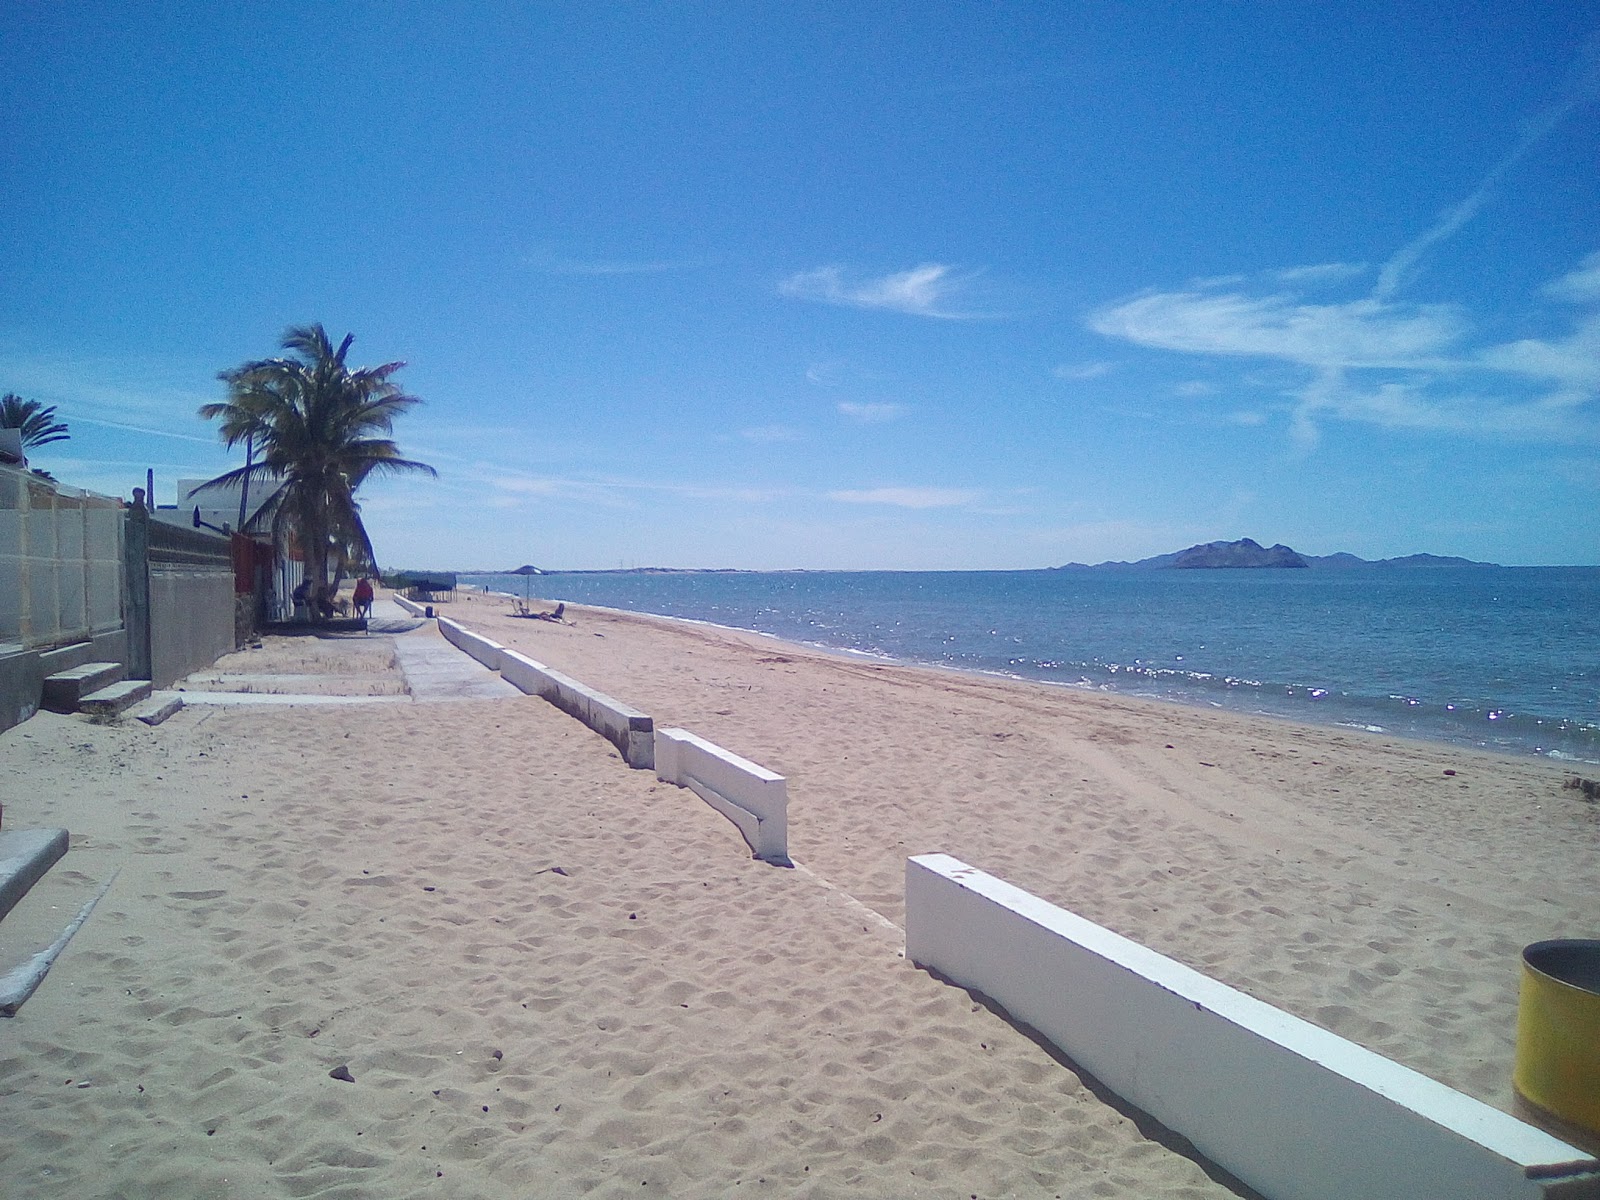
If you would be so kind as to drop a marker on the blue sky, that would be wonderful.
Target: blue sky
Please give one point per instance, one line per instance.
(839, 285)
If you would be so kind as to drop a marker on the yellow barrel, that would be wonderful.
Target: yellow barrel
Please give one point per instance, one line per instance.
(1558, 1030)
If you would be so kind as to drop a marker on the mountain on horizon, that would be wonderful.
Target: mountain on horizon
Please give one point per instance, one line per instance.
(1247, 553)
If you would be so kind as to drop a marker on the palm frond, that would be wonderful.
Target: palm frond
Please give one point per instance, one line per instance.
(36, 423)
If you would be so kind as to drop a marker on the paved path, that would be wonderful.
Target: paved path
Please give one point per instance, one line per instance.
(433, 669)
(436, 670)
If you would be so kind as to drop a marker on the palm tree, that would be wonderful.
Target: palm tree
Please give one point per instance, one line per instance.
(37, 423)
(320, 428)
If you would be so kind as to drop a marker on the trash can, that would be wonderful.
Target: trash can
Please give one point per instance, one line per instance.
(1558, 1030)
(427, 610)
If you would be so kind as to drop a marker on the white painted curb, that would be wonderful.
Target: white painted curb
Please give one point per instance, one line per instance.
(752, 797)
(1295, 1111)
(628, 729)
(474, 644)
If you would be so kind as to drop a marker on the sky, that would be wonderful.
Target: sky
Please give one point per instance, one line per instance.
(837, 285)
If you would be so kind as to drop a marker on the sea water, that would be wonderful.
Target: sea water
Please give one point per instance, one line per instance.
(1505, 658)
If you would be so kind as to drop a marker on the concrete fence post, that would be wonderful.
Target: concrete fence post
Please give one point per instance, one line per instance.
(136, 590)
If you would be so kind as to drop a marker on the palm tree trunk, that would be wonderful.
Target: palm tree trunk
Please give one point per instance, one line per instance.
(244, 491)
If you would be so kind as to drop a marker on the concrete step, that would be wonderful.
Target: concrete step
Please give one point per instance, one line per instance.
(110, 701)
(62, 658)
(160, 706)
(25, 855)
(65, 689)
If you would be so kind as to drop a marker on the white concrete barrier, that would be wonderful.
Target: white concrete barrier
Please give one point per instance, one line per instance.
(752, 797)
(475, 644)
(1295, 1111)
(628, 729)
(524, 673)
(410, 606)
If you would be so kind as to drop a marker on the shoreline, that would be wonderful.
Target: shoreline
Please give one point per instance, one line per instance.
(1559, 757)
(374, 888)
(1380, 887)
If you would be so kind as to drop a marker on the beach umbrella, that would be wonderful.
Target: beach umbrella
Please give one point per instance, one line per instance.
(527, 571)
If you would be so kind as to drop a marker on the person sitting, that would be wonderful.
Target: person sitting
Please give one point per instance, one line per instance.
(363, 597)
(301, 596)
(324, 602)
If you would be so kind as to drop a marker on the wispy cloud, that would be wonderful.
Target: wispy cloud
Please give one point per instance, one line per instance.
(1088, 370)
(1385, 363)
(139, 395)
(1396, 272)
(928, 290)
(1377, 359)
(872, 414)
(1579, 286)
(144, 429)
(909, 497)
(770, 434)
(616, 492)
(1281, 325)
(1571, 362)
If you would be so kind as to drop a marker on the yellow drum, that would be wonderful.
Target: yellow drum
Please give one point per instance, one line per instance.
(1558, 1030)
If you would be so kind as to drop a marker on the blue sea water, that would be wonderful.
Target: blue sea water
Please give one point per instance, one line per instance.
(1506, 658)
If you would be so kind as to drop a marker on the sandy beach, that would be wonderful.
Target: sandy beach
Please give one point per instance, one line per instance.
(549, 975)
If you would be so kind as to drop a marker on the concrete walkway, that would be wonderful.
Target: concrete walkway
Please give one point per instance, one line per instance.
(436, 670)
(433, 669)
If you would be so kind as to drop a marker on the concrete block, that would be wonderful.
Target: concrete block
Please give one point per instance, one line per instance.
(160, 707)
(752, 797)
(25, 855)
(1295, 1111)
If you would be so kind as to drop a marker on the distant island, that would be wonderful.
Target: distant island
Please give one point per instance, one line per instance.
(1246, 553)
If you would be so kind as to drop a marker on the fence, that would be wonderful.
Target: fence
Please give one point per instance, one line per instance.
(61, 593)
(60, 563)
(85, 579)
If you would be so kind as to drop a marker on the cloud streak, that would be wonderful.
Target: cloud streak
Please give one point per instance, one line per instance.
(1236, 324)
(1394, 273)
(872, 414)
(927, 290)
(1378, 360)
(909, 497)
(1384, 363)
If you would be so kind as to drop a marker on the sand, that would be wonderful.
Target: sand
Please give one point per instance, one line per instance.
(374, 886)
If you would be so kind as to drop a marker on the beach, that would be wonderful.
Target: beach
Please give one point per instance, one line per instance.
(547, 974)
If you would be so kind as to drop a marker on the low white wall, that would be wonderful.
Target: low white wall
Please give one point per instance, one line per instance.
(524, 673)
(628, 729)
(475, 644)
(411, 606)
(1293, 1110)
(752, 797)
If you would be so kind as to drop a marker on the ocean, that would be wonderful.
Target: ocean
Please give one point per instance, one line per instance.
(1503, 658)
